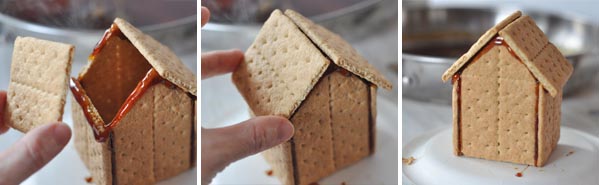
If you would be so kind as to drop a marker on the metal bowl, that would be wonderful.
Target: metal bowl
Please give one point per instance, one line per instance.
(82, 22)
(235, 24)
(433, 39)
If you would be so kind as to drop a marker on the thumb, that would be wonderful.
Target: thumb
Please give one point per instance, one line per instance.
(253, 136)
(32, 152)
(222, 146)
(205, 15)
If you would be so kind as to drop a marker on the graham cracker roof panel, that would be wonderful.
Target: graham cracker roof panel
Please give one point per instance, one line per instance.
(166, 63)
(524, 37)
(540, 56)
(531, 45)
(280, 68)
(480, 43)
(550, 68)
(338, 50)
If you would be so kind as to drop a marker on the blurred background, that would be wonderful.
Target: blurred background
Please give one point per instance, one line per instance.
(370, 26)
(436, 32)
(82, 23)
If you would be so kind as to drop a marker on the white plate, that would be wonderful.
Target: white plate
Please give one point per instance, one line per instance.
(436, 164)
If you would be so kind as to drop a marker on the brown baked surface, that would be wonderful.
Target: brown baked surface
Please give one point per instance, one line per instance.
(173, 121)
(38, 83)
(95, 155)
(350, 112)
(476, 47)
(112, 75)
(313, 139)
(498, 98)
(338, 50)
(155, 139)
(549, 124)
(285, 74)
(531, 45)
(166, 63)
(280, 159)
(280, 68)
(133, 145)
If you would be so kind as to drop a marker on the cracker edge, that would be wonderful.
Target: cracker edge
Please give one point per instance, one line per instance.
(373, 91)
(543, 102)
(286, 165)
(145, 43)
(371, 74)
(480, 43)
(82, 147)
(455, 122)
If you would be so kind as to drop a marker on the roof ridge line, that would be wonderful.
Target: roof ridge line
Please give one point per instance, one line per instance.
(540, 51)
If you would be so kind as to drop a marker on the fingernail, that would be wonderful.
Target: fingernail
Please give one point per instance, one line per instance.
(62, 133)
(285, 131)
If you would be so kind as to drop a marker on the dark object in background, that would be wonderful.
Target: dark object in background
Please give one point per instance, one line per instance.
(252, 11)
(434, 38)
(82, 22)
(96, 14)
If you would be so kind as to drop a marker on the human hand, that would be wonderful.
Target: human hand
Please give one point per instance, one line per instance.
(31, 152)
(222, 146)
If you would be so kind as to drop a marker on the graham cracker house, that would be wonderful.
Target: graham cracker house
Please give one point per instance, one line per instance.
(507, 94)
(302, 71)
(134, 110)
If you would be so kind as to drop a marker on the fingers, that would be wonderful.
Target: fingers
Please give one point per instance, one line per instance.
(220, 62)
(205, 15)
(3, 126)
(257, 134)
(222, 146)
(32, 152)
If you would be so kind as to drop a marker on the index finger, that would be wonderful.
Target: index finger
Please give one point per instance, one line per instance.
(220, 62)
(205, 15)
(3, 127)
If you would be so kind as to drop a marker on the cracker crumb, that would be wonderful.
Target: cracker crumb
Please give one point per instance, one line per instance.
(89, 179)
(570, 153)
(521, 173)
(269, 172)
(408, 160)
(342, 183)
